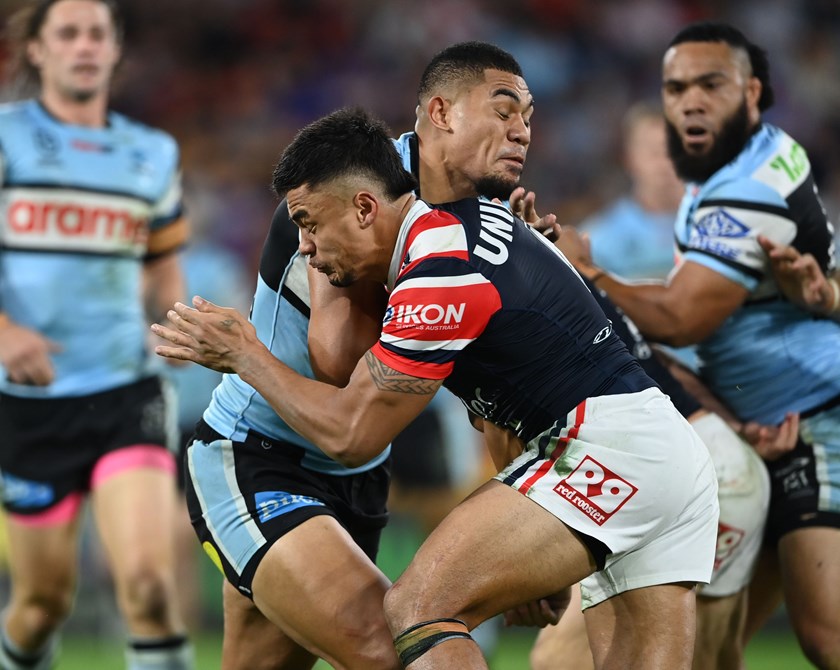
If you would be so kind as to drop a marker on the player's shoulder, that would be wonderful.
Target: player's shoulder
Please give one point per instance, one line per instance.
(768, 169)
(138, 132)
(13, 115)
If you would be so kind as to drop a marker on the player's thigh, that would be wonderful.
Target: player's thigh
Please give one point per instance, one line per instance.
(744, 497)
(651, 628)
(495, 550)
(252, 642)
(810, 569)
(564, 646)
(764, 595)
(319, 587)
(134, 511)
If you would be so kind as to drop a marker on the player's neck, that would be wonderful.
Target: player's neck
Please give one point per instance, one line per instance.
(439, 184)
(92, 113)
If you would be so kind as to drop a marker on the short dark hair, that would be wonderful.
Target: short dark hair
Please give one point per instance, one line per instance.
(465, 61)
(712, 31)
(347, 142)
(25, 25)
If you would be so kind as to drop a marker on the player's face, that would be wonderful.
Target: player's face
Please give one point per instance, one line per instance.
(646, 156)
(491, 131)
(76, 50)
(710, 102)
(330, 234)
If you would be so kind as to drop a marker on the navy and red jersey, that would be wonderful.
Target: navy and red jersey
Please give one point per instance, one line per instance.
(483, 301)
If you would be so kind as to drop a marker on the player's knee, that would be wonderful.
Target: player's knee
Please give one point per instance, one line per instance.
(147, 595)
(44, 612)
(412, 598)
(821, 645)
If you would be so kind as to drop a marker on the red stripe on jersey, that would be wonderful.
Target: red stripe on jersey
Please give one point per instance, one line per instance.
(558, 450)
(433, 221)
(407, 366)
(436, 314)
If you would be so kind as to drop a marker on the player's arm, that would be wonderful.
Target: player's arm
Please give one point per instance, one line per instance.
(351, 424)
(344, 323)
(685, 309)
(25, 354)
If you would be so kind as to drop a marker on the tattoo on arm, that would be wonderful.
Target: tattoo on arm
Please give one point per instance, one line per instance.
(388, 379)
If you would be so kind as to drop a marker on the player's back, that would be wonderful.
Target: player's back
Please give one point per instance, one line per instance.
(538, 344)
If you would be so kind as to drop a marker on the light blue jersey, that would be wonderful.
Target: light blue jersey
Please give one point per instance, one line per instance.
(77, 207)
(630, 241)
(769, 357)
(280, 314)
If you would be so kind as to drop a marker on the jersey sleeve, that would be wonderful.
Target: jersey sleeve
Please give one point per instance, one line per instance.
(168, 229)
(726, 226)
(439, 304)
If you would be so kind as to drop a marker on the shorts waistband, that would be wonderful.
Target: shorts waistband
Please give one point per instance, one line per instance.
(204, 432)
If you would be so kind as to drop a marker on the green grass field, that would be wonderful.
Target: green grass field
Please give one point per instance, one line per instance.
(770, 651)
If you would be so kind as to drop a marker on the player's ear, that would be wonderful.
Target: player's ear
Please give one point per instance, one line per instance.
(34, 53)
(753, 95)
(367, 206)
(439, 111)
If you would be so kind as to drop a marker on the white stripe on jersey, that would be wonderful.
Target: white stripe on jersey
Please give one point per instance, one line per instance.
(439, 240)
(73, 221)
(171, 200)
(449, 281)
(425, 345)
(491, 210)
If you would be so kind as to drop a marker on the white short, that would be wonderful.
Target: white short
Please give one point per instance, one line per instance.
(744, 496)
(629, 471)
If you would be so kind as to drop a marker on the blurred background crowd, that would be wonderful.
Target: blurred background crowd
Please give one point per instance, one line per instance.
(233, 80)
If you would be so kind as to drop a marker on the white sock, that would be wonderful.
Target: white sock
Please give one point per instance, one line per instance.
(164, 653)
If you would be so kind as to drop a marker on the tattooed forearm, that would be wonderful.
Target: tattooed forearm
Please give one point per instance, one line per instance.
(388, 379)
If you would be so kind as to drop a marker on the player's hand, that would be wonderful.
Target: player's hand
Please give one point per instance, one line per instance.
(540, 613)
(799, 277)
(772, 442)
(576, 248)
(219, 338)
(25, 354)
(523, 205)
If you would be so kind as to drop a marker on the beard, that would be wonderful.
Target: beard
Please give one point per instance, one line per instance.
(729, 142)
(495, 186)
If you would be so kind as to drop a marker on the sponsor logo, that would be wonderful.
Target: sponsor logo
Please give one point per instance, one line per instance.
(728, 540)
(707, 232)
(92, 147)
(25, 493)
(74, 220)
(595, 490)
(426, 315)
(603, 334)
(720, 223)
(272, 504)
(494, 234)
(482, 406)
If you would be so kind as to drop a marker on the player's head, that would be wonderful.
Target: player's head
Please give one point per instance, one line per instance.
(339, 174)
(715, 84)
(69, 47)
(473, 113)
(645, 151)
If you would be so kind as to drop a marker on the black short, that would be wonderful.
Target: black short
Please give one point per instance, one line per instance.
(50, 446)
(795, 500)
(420, 456)
(244, 496)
